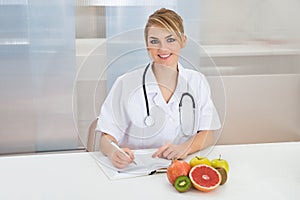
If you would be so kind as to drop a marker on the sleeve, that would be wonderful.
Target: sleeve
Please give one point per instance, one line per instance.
(208, 118)
(113, 118)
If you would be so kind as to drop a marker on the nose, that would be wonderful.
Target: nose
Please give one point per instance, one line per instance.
(163, 45)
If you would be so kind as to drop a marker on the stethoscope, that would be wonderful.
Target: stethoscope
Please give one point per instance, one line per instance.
(150, 121)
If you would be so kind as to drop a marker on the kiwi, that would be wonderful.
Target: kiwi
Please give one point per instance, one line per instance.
(182, 183)
(223, 173)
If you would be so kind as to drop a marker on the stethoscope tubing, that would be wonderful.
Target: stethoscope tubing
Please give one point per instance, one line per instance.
(148, 120)
(144, 90)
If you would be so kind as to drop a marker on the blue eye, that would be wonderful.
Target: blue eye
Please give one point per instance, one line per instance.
(170, 40)
(154, 41)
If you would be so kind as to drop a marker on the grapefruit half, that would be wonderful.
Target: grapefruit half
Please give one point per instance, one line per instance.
(205, 178)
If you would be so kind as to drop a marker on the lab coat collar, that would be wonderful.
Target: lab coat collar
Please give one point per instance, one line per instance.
(182, 79)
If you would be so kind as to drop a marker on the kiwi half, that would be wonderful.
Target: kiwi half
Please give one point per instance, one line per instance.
(182, 183)
(223, 174)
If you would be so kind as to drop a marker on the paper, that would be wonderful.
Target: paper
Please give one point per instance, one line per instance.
(145, 165)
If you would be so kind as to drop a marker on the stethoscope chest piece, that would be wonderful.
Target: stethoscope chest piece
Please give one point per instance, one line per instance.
(149, 121)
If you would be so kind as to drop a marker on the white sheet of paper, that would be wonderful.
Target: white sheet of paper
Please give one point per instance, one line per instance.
(145, 164)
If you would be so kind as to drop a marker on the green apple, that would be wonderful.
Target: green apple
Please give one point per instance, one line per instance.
(197, 160)
(219, 162)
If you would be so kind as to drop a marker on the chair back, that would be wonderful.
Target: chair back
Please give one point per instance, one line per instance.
(93, 137)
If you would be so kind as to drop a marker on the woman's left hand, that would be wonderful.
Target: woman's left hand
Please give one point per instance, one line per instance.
(172, 151)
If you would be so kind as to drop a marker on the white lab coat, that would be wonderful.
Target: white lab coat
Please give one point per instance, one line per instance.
(124, 110)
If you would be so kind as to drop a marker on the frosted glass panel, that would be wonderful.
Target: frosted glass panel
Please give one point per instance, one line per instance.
(37, 71)
(125, 39)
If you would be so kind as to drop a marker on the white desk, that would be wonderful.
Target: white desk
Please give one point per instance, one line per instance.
(260, 171)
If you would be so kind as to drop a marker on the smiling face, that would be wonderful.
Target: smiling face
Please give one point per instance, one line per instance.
(163, 46)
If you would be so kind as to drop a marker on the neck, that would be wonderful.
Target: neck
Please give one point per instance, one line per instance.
(166, 78)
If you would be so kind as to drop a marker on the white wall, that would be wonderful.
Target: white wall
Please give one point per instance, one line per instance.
(250, 21)
(256, 47)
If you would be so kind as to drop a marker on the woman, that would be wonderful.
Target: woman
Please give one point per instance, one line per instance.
(122, 118)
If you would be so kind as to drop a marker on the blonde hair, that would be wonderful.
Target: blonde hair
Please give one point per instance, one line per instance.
(168, 19)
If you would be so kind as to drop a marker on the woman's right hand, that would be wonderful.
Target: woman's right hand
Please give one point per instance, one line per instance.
(119, 160)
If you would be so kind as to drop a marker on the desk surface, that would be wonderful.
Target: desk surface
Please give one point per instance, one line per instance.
(257, 171)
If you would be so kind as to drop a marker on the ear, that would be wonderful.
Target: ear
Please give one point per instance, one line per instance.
(184, 41)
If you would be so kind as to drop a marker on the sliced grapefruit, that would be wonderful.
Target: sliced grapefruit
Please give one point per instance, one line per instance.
(205, 178)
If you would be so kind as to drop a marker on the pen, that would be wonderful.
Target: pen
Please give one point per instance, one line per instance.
(121, 150)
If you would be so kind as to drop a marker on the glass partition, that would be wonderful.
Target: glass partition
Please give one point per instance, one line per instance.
(37, 72)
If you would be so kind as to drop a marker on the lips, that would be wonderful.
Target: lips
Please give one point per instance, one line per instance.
(164, 56)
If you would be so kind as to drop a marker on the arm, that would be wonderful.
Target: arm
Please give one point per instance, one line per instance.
(201, 140)
(118, 159)
(113, 125)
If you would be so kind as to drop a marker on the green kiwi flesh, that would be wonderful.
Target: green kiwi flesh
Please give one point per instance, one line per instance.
(182, 184)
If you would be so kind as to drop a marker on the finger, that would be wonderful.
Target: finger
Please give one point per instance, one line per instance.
(117, 162)
(119, 165)
(171, 155)
(130, 153)
(168, 152)
(159, 152)
(174, 152)
(171, 152)
(122, 158)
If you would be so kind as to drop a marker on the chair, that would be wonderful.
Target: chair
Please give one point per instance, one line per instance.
(93, 137)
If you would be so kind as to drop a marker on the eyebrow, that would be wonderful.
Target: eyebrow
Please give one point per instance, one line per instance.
(151, 37)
